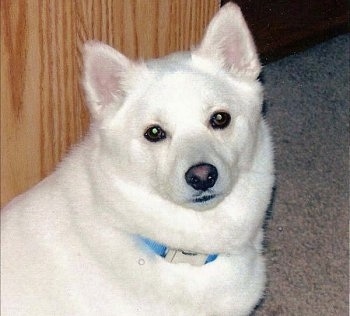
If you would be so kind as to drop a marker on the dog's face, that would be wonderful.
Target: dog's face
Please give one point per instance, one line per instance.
(183, 127)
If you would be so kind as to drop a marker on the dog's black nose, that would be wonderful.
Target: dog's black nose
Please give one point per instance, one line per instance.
(202, 176)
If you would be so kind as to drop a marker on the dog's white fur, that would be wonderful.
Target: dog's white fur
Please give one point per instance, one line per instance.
(70, 246)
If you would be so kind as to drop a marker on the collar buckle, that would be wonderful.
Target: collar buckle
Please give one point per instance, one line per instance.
(177, 255)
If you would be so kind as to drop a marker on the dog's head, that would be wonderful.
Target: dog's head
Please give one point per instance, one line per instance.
(183, 127)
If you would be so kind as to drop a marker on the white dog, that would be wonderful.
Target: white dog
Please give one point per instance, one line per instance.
(159, 210)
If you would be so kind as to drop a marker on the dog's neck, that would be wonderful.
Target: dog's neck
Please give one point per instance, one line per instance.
(177, 255)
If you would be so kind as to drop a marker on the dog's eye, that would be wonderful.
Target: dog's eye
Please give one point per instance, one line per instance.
(154, 133)
(220, 120)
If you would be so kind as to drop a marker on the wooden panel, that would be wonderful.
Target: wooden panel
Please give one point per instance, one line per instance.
(42, 110)
(283, 27)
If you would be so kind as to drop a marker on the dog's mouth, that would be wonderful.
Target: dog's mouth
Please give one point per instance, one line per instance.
(204, 198)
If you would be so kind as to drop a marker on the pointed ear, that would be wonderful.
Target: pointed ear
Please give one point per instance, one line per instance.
(228, 41)
(104, 72)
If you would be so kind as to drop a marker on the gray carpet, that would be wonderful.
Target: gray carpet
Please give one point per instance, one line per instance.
(307, 99)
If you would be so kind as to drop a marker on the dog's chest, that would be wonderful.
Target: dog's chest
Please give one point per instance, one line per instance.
(154, 286)
(87, 270)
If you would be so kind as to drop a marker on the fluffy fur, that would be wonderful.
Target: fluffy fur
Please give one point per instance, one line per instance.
(70, 245)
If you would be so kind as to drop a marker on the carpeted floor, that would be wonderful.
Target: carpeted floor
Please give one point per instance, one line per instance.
(307, 99)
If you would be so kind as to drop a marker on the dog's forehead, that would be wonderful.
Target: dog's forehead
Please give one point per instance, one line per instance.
(189, 95)
(184, 90)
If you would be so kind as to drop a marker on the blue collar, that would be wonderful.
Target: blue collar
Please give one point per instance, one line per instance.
(162, 250)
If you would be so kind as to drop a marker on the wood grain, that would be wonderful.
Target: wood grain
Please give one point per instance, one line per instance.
(42, 105)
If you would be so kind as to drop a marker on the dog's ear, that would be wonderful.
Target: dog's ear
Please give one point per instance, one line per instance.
(228, 41)
(105, 70)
